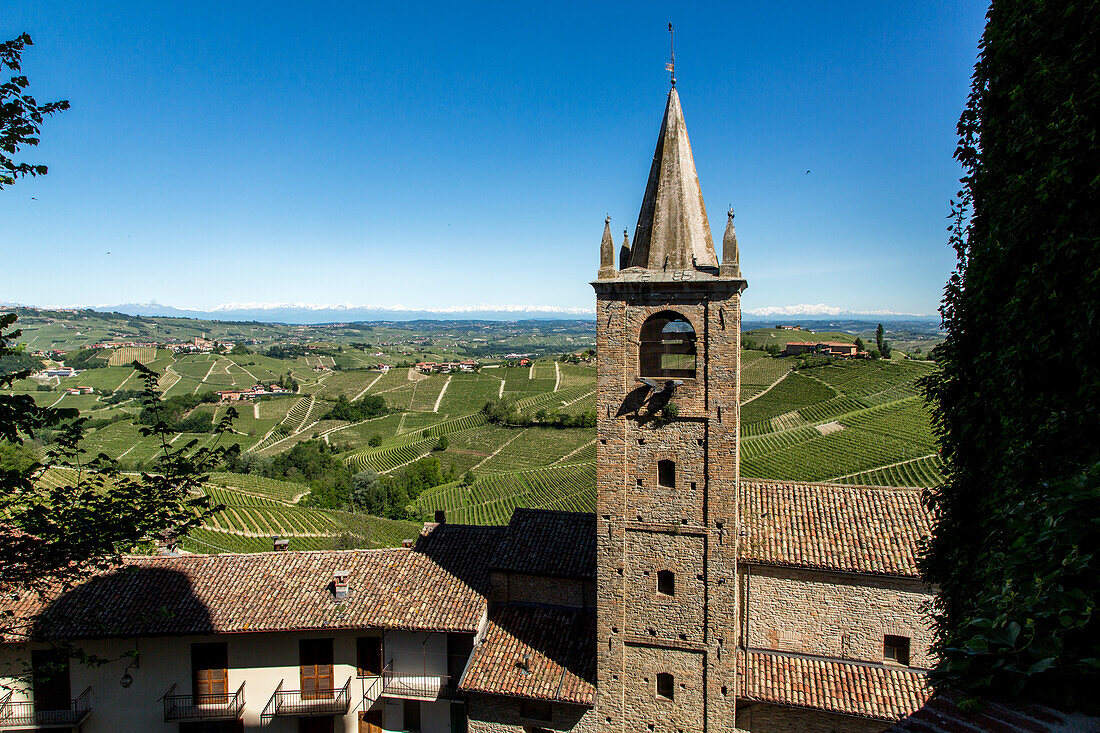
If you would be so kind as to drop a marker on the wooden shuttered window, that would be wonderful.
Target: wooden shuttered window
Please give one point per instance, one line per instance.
(315, 657)
(210, 673)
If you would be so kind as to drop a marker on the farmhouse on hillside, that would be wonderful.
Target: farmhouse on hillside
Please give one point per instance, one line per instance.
(829, 348)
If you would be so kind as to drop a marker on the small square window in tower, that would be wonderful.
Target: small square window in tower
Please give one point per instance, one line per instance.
(667, 347)
(666, 686)
(666, 583)
(666, 473)
(896, 649)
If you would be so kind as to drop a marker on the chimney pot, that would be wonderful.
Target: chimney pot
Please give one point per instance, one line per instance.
(340, 583)
(408, 543)
(280, 544)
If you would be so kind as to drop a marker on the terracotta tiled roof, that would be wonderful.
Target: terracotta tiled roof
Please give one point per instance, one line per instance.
(942, 715)
(851, 528)
(870, 691)
(541, 542)
(440, 587)
(542, 653)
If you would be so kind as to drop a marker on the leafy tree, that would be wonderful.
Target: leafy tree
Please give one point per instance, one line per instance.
(364, 409)
(52, 537)
(1015, 549)
(369, 494)
(19, 361)
(20, 114)
(881, 342)
(442, 444)
(375, 440)
(860, 345)
(772, 349)
(239, 349)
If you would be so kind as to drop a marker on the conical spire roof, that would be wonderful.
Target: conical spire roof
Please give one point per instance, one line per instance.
(673, 232)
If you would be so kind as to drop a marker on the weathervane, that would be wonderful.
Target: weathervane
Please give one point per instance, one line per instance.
(670, 67)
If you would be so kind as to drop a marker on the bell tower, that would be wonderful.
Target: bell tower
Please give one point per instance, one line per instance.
(669, 341)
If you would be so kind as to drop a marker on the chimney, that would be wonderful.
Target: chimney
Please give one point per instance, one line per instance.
(340, 584)
(280, 544)
(440, 516)
(407, 544)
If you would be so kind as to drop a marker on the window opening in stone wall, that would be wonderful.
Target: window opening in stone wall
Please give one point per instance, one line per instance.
(536, 710)
(666, 582)
(666, 473)
(667, 347)
(666, 686)
(896, 649)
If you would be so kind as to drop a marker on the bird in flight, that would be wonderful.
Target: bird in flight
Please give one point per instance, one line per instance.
(807, 173)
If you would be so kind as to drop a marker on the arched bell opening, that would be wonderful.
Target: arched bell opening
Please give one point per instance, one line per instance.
(667, 347)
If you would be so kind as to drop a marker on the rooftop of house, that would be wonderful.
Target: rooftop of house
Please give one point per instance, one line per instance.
(858, 529)
(440, 585)
(838, 686)
(550, 543)
(941, 714)
(535, 652)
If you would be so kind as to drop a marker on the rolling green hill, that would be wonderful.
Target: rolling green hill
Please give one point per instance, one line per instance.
(857, 422)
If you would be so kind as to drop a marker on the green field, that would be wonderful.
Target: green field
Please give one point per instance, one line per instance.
(859, 422)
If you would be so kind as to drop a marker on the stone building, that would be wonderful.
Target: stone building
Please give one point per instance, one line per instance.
(723, 603)
(692, 600)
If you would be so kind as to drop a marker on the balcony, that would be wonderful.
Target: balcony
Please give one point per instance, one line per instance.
(24, 713)
(304, 703)
(412, 686)
(223, 706)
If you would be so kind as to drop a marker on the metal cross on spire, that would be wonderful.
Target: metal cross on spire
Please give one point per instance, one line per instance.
(670, 67)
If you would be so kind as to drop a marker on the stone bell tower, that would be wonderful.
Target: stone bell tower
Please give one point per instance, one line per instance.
(669, 341)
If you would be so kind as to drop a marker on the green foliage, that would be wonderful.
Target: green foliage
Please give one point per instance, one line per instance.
(881, 342)
(364, 409)
(20, 114)
(18, 360)
(375, 440)
(773, 349)
(1014, 545)
(240, 349)
(56, 532)
(442, 443)
(506, 411)
(85, 359)
(180, 413)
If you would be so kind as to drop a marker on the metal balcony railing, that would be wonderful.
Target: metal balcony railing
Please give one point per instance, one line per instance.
(413, 686)
(222, 706)
(25, 714)
(303, 703)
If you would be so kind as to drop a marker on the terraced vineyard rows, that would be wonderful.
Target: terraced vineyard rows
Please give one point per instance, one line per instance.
(919, 472)
(491, 499)
(280, 491)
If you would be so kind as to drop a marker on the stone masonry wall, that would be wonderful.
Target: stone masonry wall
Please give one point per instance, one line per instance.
(834, 614)
(520, 588)
(688, 527)
(498, 714)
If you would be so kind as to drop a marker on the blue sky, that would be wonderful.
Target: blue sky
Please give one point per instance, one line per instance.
(436, 155)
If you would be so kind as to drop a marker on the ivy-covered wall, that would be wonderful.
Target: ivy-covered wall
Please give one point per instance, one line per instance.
(1016, 404)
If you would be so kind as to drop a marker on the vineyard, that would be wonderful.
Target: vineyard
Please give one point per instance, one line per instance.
(859, 422)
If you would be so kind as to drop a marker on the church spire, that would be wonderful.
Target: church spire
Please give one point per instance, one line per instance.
(624, 252)
(607, 252)
(673, 232)
(731, 255)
